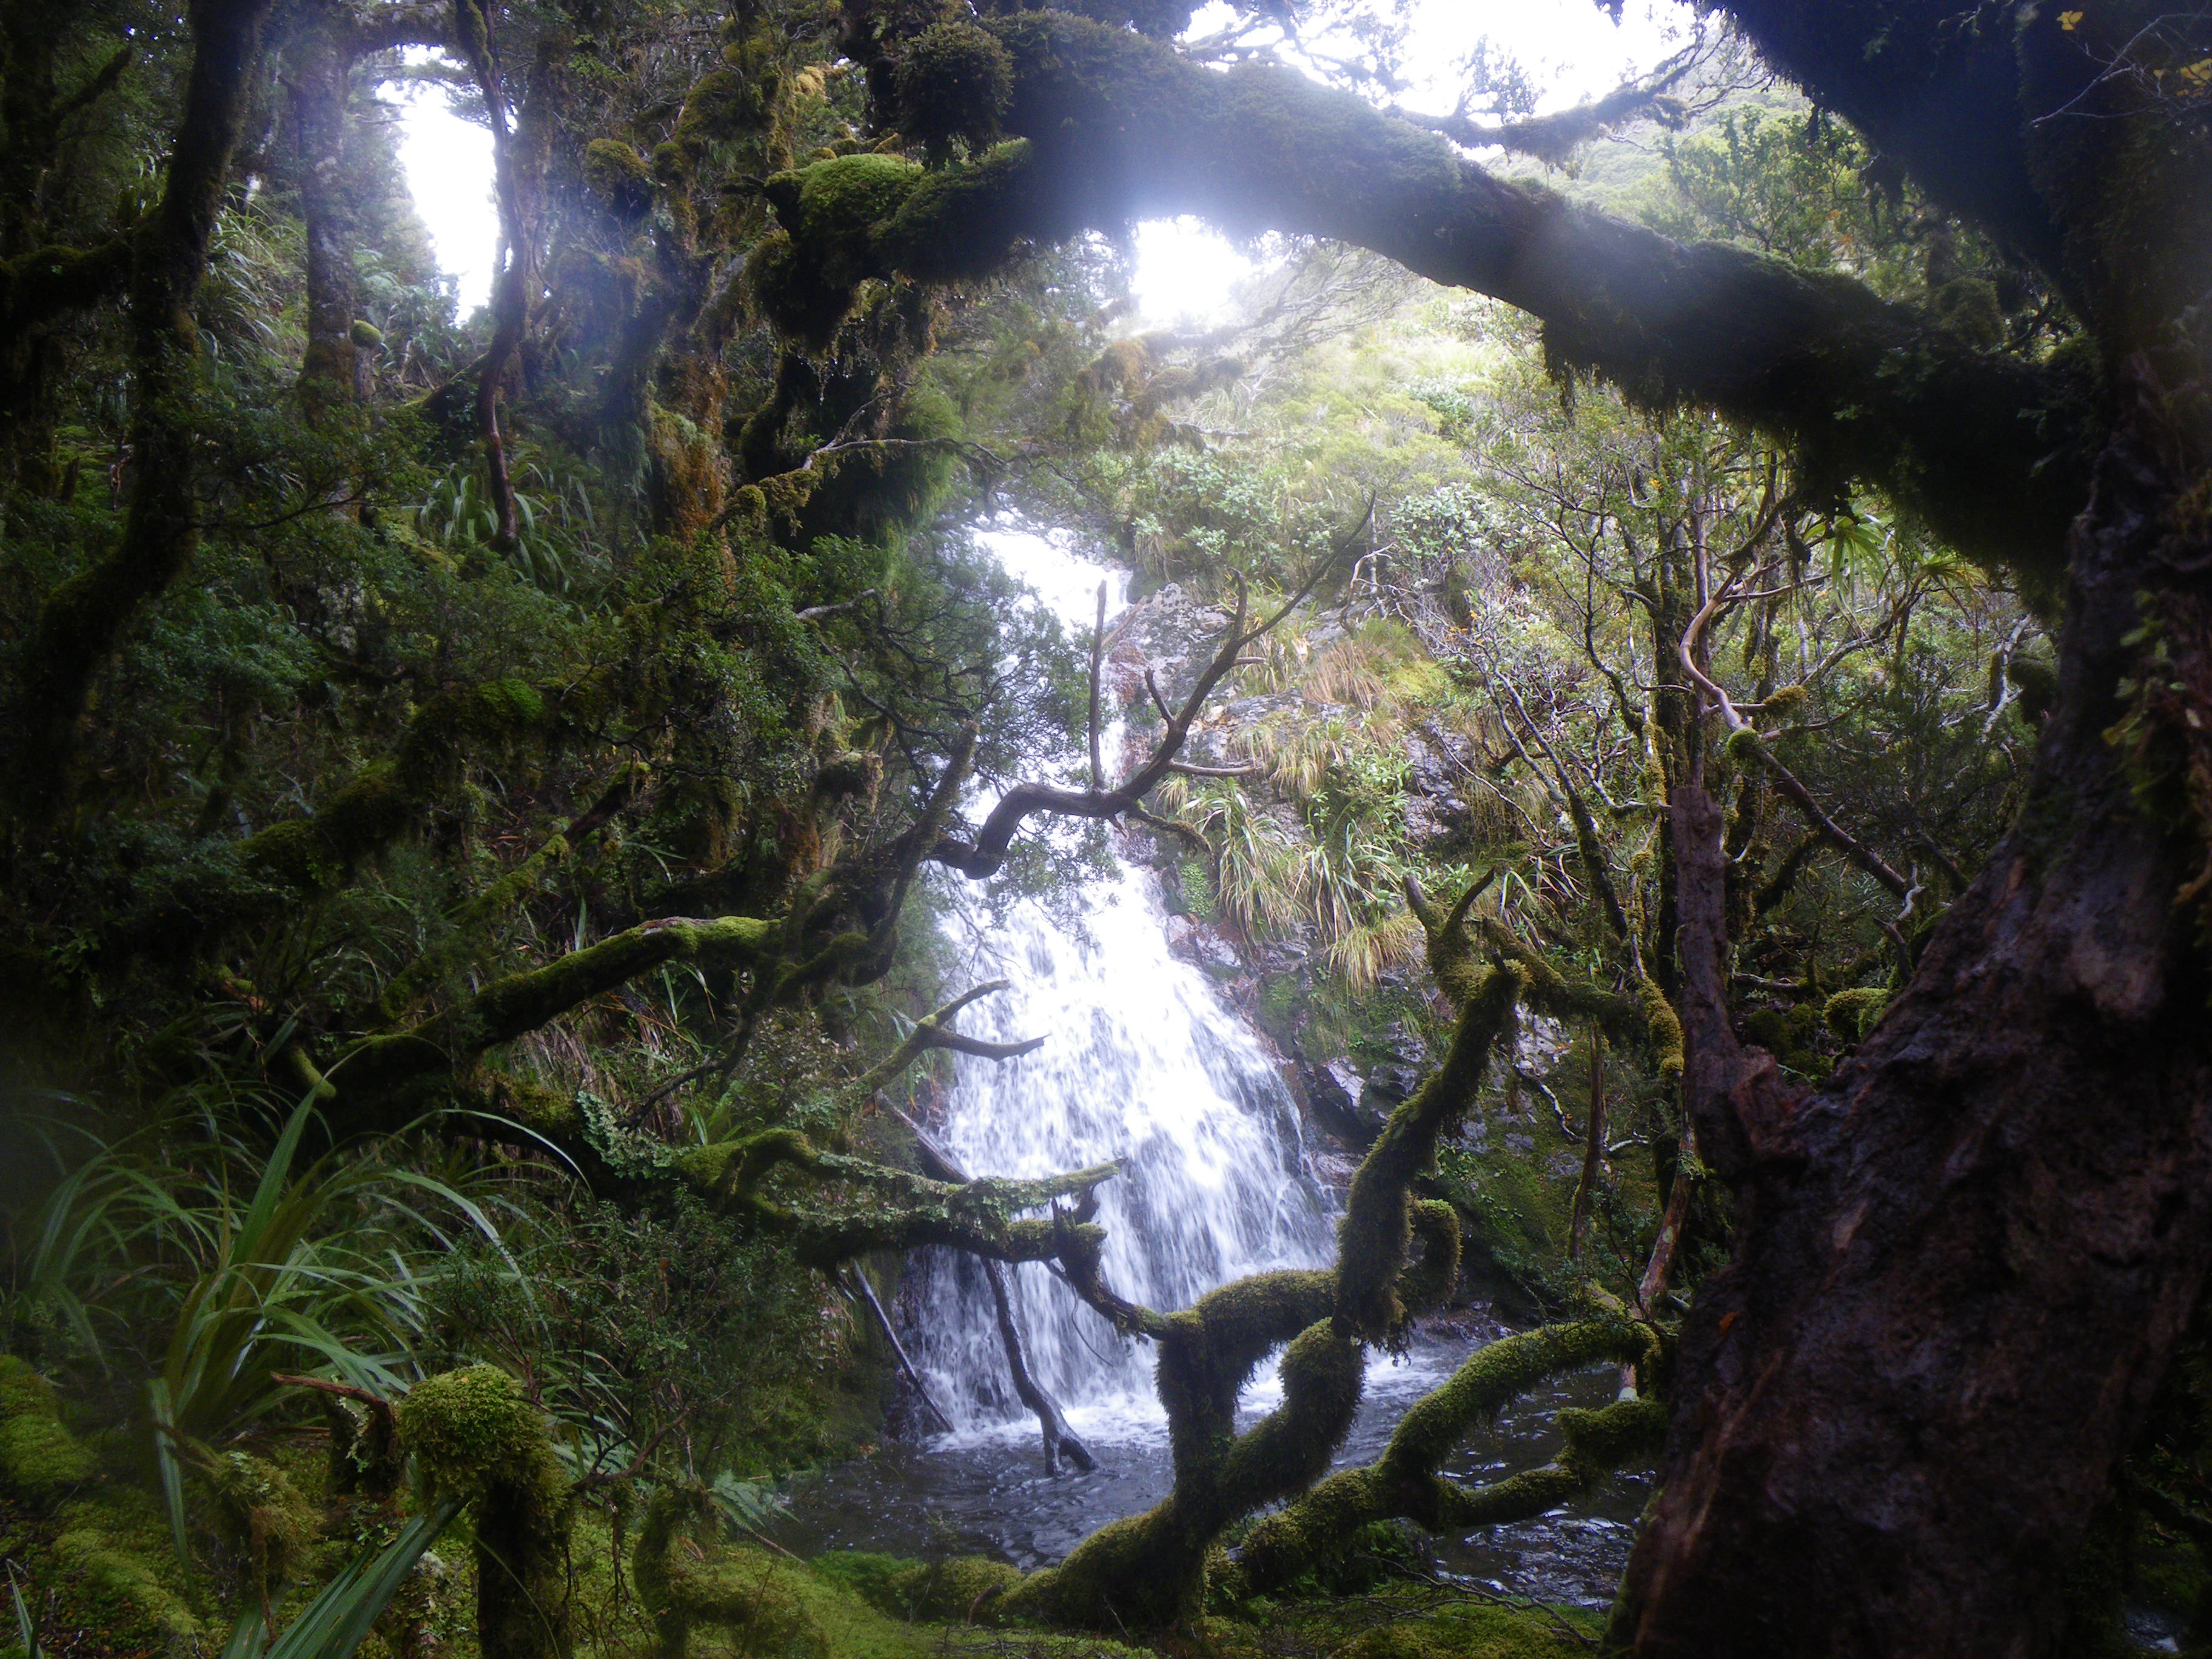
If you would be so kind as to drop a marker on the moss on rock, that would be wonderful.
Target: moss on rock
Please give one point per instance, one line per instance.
(1851, 1014)
(748, 1593)
(270, 1522)
(962, 1591)
(40, 1461)
(111, 1554)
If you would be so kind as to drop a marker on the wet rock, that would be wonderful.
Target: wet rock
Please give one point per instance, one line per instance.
(1403, 1067)
(1198, 944)
(1173, 634)
(1438, 819)
(1337, 1097)
(1332, 1169)
(1538, 1045)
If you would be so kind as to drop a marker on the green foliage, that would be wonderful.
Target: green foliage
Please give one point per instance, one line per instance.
(619, 176)
(40, 1461)
(1851, 1014)
(220, 1278)
(644, 1325)
(336, 1623)
(363, 780)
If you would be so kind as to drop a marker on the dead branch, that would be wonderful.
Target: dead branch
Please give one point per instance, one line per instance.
(982, 856)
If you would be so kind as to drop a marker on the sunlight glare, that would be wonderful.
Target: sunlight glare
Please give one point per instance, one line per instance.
(447, 161)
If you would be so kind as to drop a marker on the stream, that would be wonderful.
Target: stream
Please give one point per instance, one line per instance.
(1147, 1063)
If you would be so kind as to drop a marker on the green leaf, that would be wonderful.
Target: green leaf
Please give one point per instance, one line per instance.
(335, 1623)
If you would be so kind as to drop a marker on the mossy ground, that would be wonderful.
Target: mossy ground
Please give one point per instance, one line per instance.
(1404, 1622)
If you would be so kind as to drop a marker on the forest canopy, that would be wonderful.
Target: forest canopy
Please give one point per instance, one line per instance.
(1667, 675)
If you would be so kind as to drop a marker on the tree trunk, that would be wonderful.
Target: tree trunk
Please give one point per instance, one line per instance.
(316, 76)
(85, 617)
(1960, 1267)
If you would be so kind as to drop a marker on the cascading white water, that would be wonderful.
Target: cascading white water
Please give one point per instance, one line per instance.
(1143, 1062)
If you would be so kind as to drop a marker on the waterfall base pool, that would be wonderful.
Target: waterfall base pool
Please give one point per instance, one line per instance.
(986, 1492)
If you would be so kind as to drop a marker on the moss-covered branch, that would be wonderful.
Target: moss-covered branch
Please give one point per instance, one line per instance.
(47, 282)
(1375, 1239)
(1151, 1568)
(1992, 450)
(488, 908)
(373, 1077)
(1404, 1482)
(387, 798)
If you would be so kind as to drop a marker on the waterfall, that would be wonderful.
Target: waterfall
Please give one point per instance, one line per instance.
(1144, 1062)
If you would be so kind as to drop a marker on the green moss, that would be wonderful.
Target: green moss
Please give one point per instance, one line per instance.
(112, 1554)
(954, 82)
(874, 1578)
(1435, 1272)
(619, 177)
(1663, 1027)
(506, 705)
(753, 1596)
(841, 202)
(1744, 748)
(725, 103)
(1501, 1372)
(270, 1523)
(1852, 1014)
(849, 218)
(789, 289)
(474, 1434)
(1404, 1483)
(1784, 702)
(386, 797)
(40, 1461)
(1472, 1632)
(962, 1591)
(468, 1428)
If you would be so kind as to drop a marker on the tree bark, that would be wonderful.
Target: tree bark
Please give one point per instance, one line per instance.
(328, 40)
(38, 281)
(1961, 1265)
(318, 69)
(521, 139)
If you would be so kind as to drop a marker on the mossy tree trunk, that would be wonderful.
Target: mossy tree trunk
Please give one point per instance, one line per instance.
(317, 71)
(327, 40)
(1984, 1234)
(522, 138)
(84, 619)
(1962, 1265)
(35, 113)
